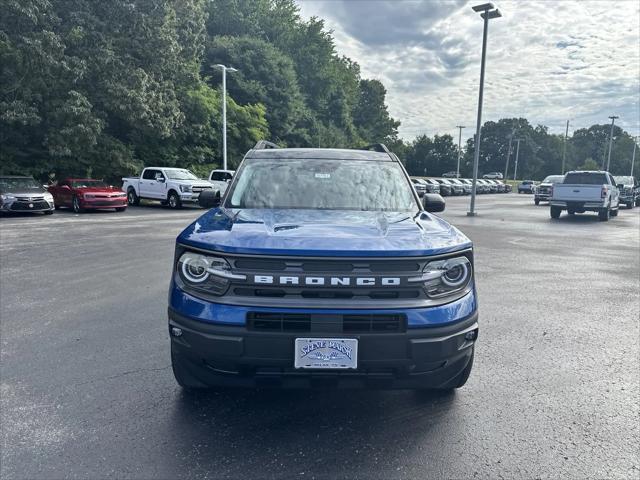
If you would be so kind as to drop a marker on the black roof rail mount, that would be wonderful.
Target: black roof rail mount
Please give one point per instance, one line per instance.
(263, 144)
(376, 147)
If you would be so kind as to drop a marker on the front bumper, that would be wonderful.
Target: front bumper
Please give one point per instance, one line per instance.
(103, 203)
(627, 198)
(24, 206)
(234, 354)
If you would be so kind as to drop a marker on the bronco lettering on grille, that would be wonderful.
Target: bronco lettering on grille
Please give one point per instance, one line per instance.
(322, 281)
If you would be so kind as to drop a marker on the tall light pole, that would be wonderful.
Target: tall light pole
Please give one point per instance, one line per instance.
(515, 170)
(506, 165)
(460, 127)
(224, 112)
(487, 13)
(633, 157)
(613, 119)
(564, 146)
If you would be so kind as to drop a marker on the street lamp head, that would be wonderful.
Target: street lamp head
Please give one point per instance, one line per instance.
(221, 66)
(231, 69)
(491, 14)
(482, 8)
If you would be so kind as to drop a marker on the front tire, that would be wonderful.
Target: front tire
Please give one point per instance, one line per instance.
(536, 201)
(132, 197)
(614, 213)
(555, 212)
(181, 373)
(49, 212)
(173, 200)
(120, 209)
(75, 205)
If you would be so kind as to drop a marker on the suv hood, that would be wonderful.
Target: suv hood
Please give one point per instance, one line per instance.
(323, 233)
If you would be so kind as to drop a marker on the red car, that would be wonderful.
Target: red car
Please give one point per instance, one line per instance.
(82, 194)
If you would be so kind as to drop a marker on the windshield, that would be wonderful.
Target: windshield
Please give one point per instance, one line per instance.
(180, 174)
(322, 184)
(624, 180)
(88, 184)
(553, 179)
(585, 178)
(15, 183)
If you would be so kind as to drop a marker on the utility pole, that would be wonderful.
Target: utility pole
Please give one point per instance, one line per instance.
(613, 119)
(460, 127)
(564, 147)
(224, 112)
(488, 13)
(515, 170)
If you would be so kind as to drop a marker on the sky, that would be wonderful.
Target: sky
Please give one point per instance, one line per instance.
(547, 61)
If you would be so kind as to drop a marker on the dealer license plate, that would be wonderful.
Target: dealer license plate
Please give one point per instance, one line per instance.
(326, 353)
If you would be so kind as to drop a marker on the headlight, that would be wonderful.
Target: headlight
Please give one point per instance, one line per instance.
(446, 277)
(185, 188)
(206, 274)
(48, 197)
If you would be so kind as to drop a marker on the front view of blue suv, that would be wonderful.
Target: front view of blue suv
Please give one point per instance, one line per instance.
(322, 268)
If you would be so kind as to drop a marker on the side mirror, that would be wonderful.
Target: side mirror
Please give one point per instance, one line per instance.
(432, 202)
(620, 186)
(209, 198)
(160, 179)
(66, 187)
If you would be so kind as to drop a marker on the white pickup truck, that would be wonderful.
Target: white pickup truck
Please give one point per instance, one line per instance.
(586, 191)
(170, 186)
(220, 179)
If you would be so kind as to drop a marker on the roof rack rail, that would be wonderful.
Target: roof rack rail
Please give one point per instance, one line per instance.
(263, 144)
(376, 147)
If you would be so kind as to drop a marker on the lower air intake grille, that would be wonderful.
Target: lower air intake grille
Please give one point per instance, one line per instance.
(292, 322)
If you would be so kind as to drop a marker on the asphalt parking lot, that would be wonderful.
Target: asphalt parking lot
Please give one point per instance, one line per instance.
(87, 389)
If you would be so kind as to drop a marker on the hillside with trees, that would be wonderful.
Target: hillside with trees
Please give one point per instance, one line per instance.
(105, 88)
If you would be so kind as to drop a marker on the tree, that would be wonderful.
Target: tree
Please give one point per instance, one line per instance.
(371, 116)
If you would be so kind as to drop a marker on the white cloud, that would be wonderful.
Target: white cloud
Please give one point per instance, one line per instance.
(547, 61)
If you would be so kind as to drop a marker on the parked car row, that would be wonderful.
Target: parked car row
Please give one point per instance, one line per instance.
(458, 186)
(169, 186)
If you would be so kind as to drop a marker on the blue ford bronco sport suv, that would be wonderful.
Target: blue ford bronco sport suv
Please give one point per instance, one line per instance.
(322, 267)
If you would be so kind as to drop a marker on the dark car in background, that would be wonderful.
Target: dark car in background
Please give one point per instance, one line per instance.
(629, 188)
(544, 191)
(21, 194)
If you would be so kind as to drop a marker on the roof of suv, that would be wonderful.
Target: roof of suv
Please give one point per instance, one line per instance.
(320, 154)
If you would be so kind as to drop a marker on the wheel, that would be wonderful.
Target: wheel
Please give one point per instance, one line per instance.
(75, 204)
(49, 212)
(614, 213)
(187, 381)
(132, 197)
(120, 209)
(462, 378)
(173, 200)
(555, 212)
(638, 202)
(604, 214)
(629, 205)
(56, 206)
(571, 212)
(536, 201)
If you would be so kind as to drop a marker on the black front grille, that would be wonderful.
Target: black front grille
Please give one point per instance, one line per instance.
(294, 323)
(22, 206)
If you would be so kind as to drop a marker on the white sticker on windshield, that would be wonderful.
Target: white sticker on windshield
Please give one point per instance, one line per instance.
(322, 175)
